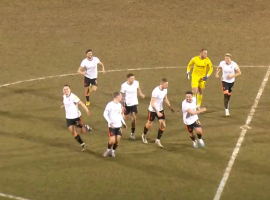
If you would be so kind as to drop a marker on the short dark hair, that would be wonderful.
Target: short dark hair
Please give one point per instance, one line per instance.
(189, 92)
(203, 49)
(129, 75)
(115, 94)
(66, 85)
(88, 50)
(164, 80)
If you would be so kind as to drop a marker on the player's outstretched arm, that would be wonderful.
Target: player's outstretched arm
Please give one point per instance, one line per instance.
(237, 72)
(166, 100)
(81, 70)
(123, 121)
(190, 64)
(192, 112)
(103, 68)
(210, 70)
(140, 92)
(217, 71)
(84, 107)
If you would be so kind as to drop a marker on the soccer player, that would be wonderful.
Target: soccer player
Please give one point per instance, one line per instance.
(155, 109)
(191, 119)
(113, 115)
(130, 90)
(202, 69)
(73, 115)
(88, 69)
(230, 70)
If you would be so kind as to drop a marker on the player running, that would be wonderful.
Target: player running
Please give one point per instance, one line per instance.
(191, 119)
(73, 115)
(230, 70)
(155, 109)
(200, 74)
(88, 69)
(130, 90)
(113, 115)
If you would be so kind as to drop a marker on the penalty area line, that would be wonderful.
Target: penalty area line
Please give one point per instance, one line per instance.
(242, 136)
(108, 71)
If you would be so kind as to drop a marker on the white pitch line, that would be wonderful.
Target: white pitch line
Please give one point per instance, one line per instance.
(242, 136)
(12, 197)
(113, 70)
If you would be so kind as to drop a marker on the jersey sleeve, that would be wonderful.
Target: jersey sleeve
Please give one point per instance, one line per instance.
(122, 90)
(185, 107)
(210, 65)
(221, 64)
(108, 107)
(194, 100)
(76, 99)
(191, 62)
(154, 93)
(236, 67)
(98, 61)
(82, 64)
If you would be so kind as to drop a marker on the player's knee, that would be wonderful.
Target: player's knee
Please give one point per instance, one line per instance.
(162, 126)
(149, 123)
(133, 120)
(94, 89)
(112, 140)
(200, 91)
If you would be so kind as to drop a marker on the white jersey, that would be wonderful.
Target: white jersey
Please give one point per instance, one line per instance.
(187, 117)
(71, 106)
(113, 113)
(90, 67)
(131, 93)
(228, 70)
(159, 95)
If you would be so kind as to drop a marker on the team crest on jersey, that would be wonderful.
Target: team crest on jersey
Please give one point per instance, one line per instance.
(204, 62)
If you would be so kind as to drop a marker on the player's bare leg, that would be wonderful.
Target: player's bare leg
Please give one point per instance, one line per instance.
(133, 125)
(91, 88)
(111, 142)
(198, 130)
(160, 132)
(227, 97)
(87, 92)
(146, 128)
(84, 127)
(115, 145)
(72, 130)
(193, 138)
(94, 88)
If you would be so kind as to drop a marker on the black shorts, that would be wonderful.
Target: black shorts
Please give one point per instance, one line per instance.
(227, 87)
(153, 115)
(131, 109)
(77, 122)
(190, 127)
(115, 131)
(88, 81)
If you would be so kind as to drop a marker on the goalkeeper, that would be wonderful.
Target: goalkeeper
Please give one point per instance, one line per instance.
(202, 69)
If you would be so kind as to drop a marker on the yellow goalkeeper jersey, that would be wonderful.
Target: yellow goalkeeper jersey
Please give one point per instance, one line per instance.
(200, 66)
